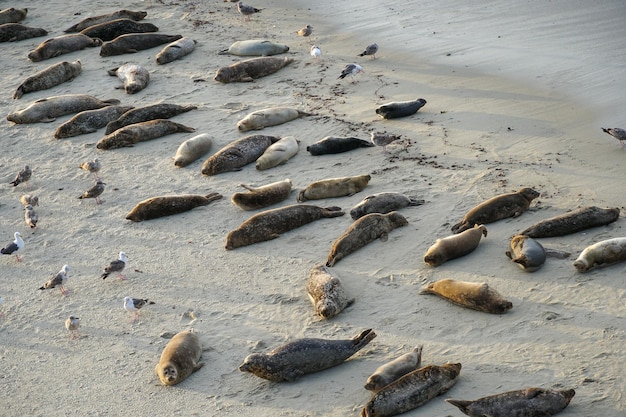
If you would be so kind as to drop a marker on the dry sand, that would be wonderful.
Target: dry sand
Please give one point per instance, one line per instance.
(516, 97)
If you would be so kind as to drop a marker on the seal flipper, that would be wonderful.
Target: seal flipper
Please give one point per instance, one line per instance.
(415, 202)
(384, 237)
(460, 404)
(197, 366)
(292, 374)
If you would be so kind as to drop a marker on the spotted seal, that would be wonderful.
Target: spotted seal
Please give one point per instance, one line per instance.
(454, 246)
(94, 20)
(395, 369)
(89, 121)
(107, 31)
(397, 109)
(12, 15)
(146, 113)
(261, 197)
(141, 132)
(133, 42)
(49, 77)
(250, 69)
(60, 45)
(474, 295)
(13, 32)
(269, 117)
(383, 203)
(572, 222)
(304, 356)
(527, 253)
(175, 50)
(180, 358)
(333, 145)
(48, 109)
(278, 153)
(326, 292)
(192, 149)
(605, 252)
(168, 205)
(237, 154)
(334, 187)
(255, 47)
(134, 77)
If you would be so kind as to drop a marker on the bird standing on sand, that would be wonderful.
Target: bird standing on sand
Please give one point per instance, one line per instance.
(617, 133)
(350, 69)
(383, 139)
(370, 50)
(316, 52)
(58, 280)
(23, 176)
(30, 216)
(117, 265)
(14, 247)
(246, 10)
(72, 324)
(305, 31)
(27, 199)
(94, 191)
(92, 166)
(134, 305)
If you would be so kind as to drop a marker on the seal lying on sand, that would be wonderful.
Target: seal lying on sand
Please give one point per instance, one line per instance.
(12, 15)
(363, 231)
(143, 114)
(326, 292)
(12, 32)
(269, 117)
(48, 109)
(607, 252)
(477, 296)
(497, 208)
(49, 77)
(397, 109)
(60, 45)
(304, 356)
(412, 390)
(278, 153)
(237, 154)
(333, 145)
(141, 132)
(255, 47)
(180, 358)
(270, 224)
(397, 368)
(250, 69)
(94, 20)
(168, 205)
(175, 50)
(134, 77)
(529, 402)
(261, 197)
(455, 246)
(572, 222)
(334, 187)
(107, 31)
(89, 121)
(526, 252)
(133, 42)
(383, 203)
(192, 149)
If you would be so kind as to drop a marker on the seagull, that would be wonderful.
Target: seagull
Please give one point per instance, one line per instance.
(91, 166)
(305, 31)
(95, 191)
(617, 133)
(316, 52)
(22, 176)
(116, 266)
(350, 69)
(72, 324)
(14, 246)
(135, 304)
(30, 216)
(370, 50)
(59, 279)
(246, 11)
(27, 199)
(383, 139)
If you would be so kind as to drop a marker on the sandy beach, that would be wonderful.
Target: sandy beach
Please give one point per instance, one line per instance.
(516, 97)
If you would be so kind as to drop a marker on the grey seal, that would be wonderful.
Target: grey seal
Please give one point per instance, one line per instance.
(250, 69)
(94, 20)
(89, 121)
(278, 153)
(134, 77)
(133, 42)
(146, 113)
(397, 109)
(12, 32)
(333, 145)
(326, 292)
(168, 205)
(107, 31)
(269, 117)
(175, 50)
(237, 154)
(255, 47)
(141, 132)
(572, 222)
(395, 369)
(49, 77)
(12, 15)
(605, 252)
(48, 109)
(192, 149)
(383, 203)
(60, 45)
(527, 253)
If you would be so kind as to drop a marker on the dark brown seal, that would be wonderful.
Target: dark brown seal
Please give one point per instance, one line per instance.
(261, 197)
(60, 45)
(143, 114)
(497, 208)
(412, 390)
(12, 15)
(107, 31)
(237, 154)
(94, 20)
(48, 109)
(326, 292)
(383, 203)
(363, 231)
(304, 356)
(474, 295)
(141, 132)
(455, 246)
(49, 77)
(133, 42)
(333, 145)
(89, 121)
(397, 109)
(270, 224)
(572, 222)
(395, 369)
(250, 69)
(12, 32)
(180, 358)
(168, 205)
(529, 402)
(605, 252)
(527, 253)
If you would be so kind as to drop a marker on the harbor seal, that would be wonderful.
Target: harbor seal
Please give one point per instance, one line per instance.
(12, 15)
(167, 205)
(146, 113)
(94, 20)
(180, 358)
(397, 368)
(48, 109)
(412, 390)
(304, 356)
(334, 187)
(255, 47)
(572, 222)
(134, 77)
(192, 149)
(269, 117)
(605, 252)
(107, 31)
(237, 154)
(278, 153)
(397, 109)
(270, 224)
(326, 292)
(175, 50)
(60, 45)
(526, 252)
(475, 295)
(133, 42)
(250, 69)
(49, 77)
(333, 145)
(529, 402)
(497, 208)
(12, 32)
(455, 246)
(363, 231)
(141, 132)
(261, 197)
(89, 121)
(383, 203)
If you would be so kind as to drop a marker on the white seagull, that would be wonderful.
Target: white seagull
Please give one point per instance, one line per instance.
(352, 70)
(246, 10)
(116, 266)
(14, 247)
(316, 52)
(134, 305)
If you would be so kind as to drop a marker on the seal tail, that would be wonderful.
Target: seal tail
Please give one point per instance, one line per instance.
(460, 404)
(223, 52)
(333, 211)
(112, 101)
(213, 197)
(414, 202)
(359, 341)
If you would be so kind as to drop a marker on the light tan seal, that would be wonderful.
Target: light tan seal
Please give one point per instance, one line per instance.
(134, 77)
(497, 208)
(48, 109)
(269, 117)
(278, 153)
(363, 231)
(168, 205)
(141, 132)
(49, 77)
(89, 121)
(263, 196)
(237, 154)
(60, 45)
(334, 187)
(180, 358)
(12, 15)
(605, 252)
(94, 20)
(326, 292)
(175, 50)
(475, 295)
(454, 246)
(192, 149)
(255, 47)
(395, 369)
(250, 69)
